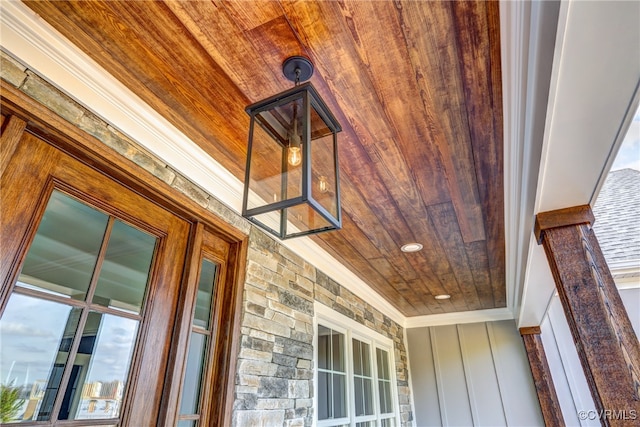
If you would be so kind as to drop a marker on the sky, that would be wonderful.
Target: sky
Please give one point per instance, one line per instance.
(629, 154)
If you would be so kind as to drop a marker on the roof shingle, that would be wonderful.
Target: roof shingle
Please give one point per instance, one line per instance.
(617, 213)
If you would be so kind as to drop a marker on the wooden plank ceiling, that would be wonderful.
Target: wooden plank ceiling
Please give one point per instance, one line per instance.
(416, 86)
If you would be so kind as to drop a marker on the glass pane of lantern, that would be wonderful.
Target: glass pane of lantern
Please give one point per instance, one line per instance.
(324, 187)
(265, 167)
(303, 218)
(293, 166)
(276, 155)
(270, 219)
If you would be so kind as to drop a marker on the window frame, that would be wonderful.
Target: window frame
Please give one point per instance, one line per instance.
(351, 329)
(206, 246)
(207, 363)
(374, 380)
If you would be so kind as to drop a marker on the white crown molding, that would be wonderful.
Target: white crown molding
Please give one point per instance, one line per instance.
(476, 316)
(513, 15)
(528, 30)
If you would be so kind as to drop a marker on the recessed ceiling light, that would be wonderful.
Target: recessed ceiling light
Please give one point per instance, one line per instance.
(411, 247)
(443, 296)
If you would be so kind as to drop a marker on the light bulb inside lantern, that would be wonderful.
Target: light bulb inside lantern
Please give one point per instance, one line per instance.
(323, 184)
(294, 156)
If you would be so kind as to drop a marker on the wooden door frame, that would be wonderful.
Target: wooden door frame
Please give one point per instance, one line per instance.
(59, 133)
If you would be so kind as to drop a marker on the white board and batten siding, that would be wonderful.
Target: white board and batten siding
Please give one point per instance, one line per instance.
(473, 374)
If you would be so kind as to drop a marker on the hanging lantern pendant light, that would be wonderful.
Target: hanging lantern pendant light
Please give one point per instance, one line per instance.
(292, 180)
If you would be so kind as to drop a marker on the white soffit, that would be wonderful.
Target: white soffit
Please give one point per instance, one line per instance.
(529, 37)
(596, 72)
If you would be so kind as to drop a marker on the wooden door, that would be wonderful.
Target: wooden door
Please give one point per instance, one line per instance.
(41, 185)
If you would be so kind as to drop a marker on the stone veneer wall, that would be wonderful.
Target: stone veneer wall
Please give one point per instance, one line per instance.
(274, 379)
(274, 384)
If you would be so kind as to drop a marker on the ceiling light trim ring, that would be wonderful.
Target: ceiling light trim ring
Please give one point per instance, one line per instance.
(411, 247)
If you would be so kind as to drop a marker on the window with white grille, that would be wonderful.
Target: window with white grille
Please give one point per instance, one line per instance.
(354, 374)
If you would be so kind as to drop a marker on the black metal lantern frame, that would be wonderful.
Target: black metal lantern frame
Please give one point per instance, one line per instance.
(292, 177)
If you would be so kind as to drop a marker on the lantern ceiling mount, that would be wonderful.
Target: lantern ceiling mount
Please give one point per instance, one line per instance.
(297, 69)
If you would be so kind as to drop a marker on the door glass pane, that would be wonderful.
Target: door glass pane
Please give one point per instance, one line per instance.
(389, 422)
(193, 374)
(64, 251)
(187, 423)
(100, 369)
(202, 312)
(125, 271)
(33, 353)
